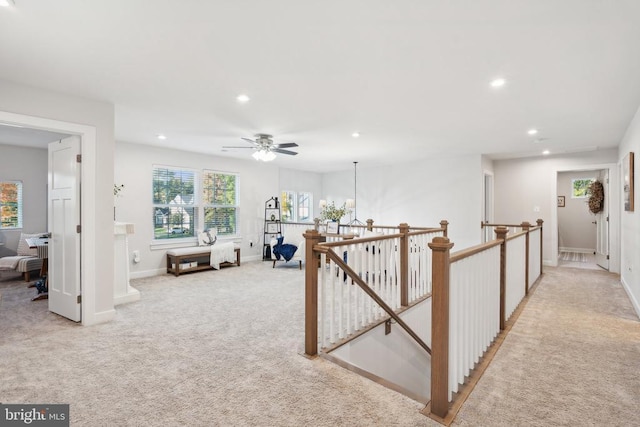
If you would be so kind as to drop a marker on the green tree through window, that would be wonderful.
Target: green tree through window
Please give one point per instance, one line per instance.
(174, 205)
(580, 187)
(220, 201)
(11, 204)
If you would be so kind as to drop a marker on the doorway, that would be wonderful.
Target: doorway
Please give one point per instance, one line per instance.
(581, 238)
(88, 263)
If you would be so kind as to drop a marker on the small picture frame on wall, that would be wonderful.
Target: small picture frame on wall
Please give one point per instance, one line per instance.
(627, 176)
(561, 201)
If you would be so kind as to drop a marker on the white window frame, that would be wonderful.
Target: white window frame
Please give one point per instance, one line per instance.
(20, 201)
(297, 195)
(235, 206)
(193, 205)
(573, 196)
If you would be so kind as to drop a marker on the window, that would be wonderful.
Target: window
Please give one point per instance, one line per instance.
(11, 204)
(580, 187)
(220, 201)
(174, 204)
(296, 207)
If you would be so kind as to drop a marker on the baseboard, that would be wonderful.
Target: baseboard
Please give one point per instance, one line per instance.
(147, 273)
(251, 258)
(577, 250)
(634, 301)
(101, 317)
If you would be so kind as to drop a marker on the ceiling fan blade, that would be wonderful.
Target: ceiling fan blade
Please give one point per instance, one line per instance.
(229, 146)
(286, 145)
(250, 140)
(278, 150)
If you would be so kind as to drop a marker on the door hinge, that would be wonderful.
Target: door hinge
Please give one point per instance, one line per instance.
(78, 229)
(79, 299)
(78, 158)
(607, 218)
(607, 256)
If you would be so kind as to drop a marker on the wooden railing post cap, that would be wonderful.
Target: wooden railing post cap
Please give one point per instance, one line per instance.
(525, 224)
(440, 243)
(444, 223)
(539, 222)
(501, 232)
(404, 226)
(310, 234)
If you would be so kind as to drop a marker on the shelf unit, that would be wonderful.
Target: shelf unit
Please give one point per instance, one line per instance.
(272, 225)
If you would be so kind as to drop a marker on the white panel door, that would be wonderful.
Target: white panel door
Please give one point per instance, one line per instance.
(64, 218)
(602, 228)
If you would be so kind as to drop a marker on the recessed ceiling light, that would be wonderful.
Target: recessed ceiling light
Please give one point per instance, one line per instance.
(532, 131)
(355, 134)
(161, 136)
(546, 152)
(499, 82)
(242, 98)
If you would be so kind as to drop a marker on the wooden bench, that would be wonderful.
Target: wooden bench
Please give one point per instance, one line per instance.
(198, 255)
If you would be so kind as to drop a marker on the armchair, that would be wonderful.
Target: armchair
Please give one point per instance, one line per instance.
(26, 259)
(298, 255)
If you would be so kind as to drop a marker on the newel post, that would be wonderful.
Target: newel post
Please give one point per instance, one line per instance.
(312, 238)
(369, 224)
(404, 264)
(525, 227)
(501, 234)
(440, 248)
(539, 222)
(444, 224)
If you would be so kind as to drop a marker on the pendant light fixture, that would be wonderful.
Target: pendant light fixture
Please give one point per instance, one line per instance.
(353, 203)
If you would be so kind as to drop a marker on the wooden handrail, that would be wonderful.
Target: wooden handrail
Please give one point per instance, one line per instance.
(516, 235)
(356, 279)
(466, 253)
(360, 240)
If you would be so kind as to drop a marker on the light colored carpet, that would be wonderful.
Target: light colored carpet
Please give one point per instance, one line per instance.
(221, 348)
(214, 348)
(573, 256)
(572, 359)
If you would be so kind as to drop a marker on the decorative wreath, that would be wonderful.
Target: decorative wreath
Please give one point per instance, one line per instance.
(596, 198)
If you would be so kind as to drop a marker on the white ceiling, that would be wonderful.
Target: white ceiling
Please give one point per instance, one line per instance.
(411, 76)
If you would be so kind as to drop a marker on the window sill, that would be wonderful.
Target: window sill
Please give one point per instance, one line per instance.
(161, 245)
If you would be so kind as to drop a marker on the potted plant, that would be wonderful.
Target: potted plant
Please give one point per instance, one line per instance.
(333, 213)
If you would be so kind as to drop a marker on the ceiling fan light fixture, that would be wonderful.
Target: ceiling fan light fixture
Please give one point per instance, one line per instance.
(264, 155)
(498, 82)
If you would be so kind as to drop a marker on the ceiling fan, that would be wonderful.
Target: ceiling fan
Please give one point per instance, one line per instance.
(265, 147)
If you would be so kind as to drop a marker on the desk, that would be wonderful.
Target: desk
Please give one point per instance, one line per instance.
(42, 245)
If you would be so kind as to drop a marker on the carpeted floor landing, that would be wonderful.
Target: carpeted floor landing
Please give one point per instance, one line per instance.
(222, 348)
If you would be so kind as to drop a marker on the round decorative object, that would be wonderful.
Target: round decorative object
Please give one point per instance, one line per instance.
(273, 217)
(596, 198)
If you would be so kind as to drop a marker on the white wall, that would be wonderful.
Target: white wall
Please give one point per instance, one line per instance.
(630, 221)
(525, 190)
(28, 165)
(576, 231)
(396, 357)
(420, 193)
(133, 168)
(95, 119)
